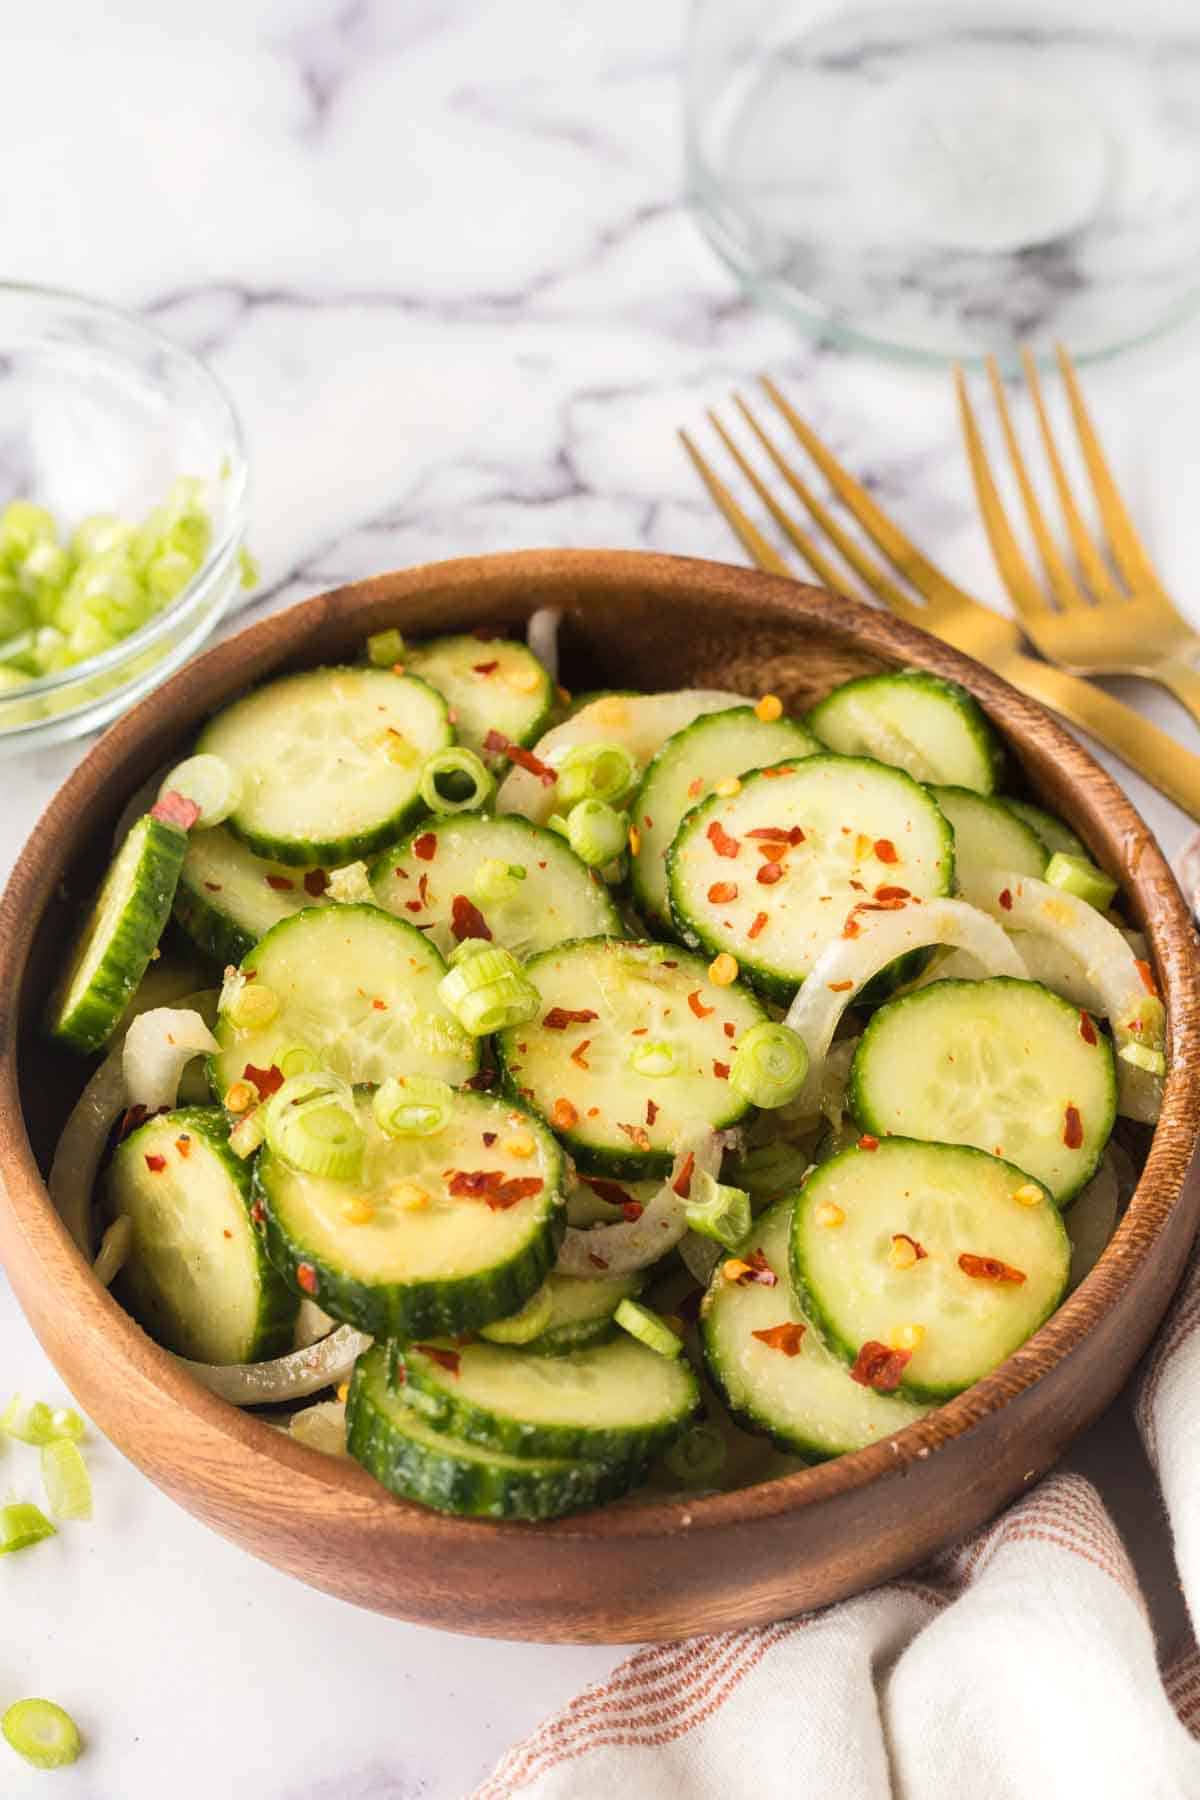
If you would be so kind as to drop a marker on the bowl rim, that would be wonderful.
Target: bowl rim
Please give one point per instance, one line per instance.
(219, 552)
(545, 577)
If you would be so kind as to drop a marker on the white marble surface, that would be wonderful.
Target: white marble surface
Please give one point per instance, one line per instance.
(435, 249)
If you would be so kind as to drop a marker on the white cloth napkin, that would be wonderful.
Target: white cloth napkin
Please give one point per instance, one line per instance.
(1019, 1665)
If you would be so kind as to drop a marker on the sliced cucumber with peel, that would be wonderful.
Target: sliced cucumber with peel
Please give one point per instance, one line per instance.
(329, 761)
(931, 728)
(806, 1402)
(1001, 1064)
(416, 1461)
(196, 1276)
(860, 826)
(618, 1402)
(555, 896)
(396, 1251)
(641, 722)
(987, 836)
(580, 1312)
(620, 1088)
(489, 684)
(952, 1202)
(1050, 829)
(358, 990)
(119, 938)
(228, 898)
(686, 770)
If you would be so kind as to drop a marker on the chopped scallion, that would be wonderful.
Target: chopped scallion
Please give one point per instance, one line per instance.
(454, 781)
(770, 1064)
(597, 832)
(385, 649)
(41, 1732)
(718, 1212)
(68, 1485)
(39, 1423)
(523, 1326)
(496, 881)
(604, 771)
(311, 1124)
(1076, 875)
(412, 1106)
(22, 1525)
(488, 991)
(648, 1328)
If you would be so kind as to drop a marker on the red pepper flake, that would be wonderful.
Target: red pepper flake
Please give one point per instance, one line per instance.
(492, 1187)
(1147, 975)
(852, 927)
(156, 1164)
(1072, 1128)
(445, 1359)
(315, 882)
(425, 847)
(880, 1367)
(183, 1144)
(499, 745)
(559, 1017)
(637, 1135)
(214, 887)
(564, 1115)
(597, 1262)
(423, 890)
(682, 1184)
(920, 1253)
(769, 874)
(989, 1268)
(648, 822)
(722, 843)
(651, 1112)
(722, 892)
(306, 1275)
(466, 920)
(781, 769)
(577, 1054)
(1006, 899)
(280, 883)
(729, 1028)
(886, 851)
(720, 1070)
(611, 1191)
(174, 809)
(786, 1337)
(760, 920)
(258, 1213)
(267, 1081)
(778, 834)
(593, 1112)
(758, 1271)
(379, 1005)
(486, 1078)
(697, 1005)
(489, 1138)
(227, 1234)
(131, 1118)
(867, 1142)
(413, 906)
(883, 892)
(1087, 1030)
(839, 987)
(486, 668)
(633, 1210)
(772, 852)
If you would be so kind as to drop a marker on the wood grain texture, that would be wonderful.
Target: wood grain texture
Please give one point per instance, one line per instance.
(665, 1568)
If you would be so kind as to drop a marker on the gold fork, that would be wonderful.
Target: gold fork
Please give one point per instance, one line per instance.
(1097, 624)
(947, 610)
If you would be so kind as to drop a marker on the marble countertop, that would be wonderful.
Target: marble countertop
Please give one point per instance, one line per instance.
(436, 251)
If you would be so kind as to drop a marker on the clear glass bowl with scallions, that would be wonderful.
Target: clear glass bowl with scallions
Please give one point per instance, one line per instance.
(123, 495)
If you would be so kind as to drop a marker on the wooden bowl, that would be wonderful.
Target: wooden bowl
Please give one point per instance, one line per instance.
(668, 1568)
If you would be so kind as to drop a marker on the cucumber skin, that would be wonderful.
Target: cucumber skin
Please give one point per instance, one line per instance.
(445, 1411)
(975, 719)
(91, 1022)
(560, 1340)
(930, 1392)
(213, 932)
(1046, 826)
(333, 853)
(868, 1121)
(415, 1471)
(767, 981)
(538, 726)
(278, 1305)
(418, 1309)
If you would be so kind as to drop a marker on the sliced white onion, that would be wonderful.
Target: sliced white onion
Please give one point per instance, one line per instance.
(631, 1244)
(158, 1047)
(1109, 967)
(113, 1251)
(542, 636)
(289, 1377)
(321, 1427)
(847, 964)
(81, 1148)
(312, 1324)
(351, 885)
(1091, 1219)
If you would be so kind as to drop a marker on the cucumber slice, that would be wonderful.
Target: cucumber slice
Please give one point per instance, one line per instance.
(614, 1119)
(685, 770)
(618, 1402)
(930, 727)
(642, 722)
(861, 825)
(951, 1201)
(581, 1312)
(120, 936)
(1054, 834)
(1002, 1064)
(330, 761)
(490, 684)
(987, 836)
(395, 1252)
(196, 1277)
(357, 988)
(807, 1402)
(558, 898)
(413, 1460)
(228, 898)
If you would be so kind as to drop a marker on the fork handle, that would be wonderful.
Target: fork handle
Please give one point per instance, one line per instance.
(1180, 680)
(1170, 768)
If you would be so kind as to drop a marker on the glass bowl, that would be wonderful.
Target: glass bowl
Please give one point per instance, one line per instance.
(101, 413)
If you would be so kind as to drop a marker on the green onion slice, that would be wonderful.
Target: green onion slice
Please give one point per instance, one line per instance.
(210, 783)
(39, 1423)
(496, 881)
(1141, 1056)
(698, 1457)
(597, 832)
(1076, 875)
(45, 1735)
(718, 1212)
(648, 1328)
(412, 1106)
(454, 781)
(605, 771)
(251, 1006)
(770, 1064)
(656, 1059)
(487, 991)
(385, 649)
(22, 1525)
(66, 1480)
(311, 1124)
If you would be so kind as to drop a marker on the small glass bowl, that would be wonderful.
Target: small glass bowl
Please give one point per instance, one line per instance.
(99, 412)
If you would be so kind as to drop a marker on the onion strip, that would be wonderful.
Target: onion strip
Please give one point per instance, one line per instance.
(541, 634)
(284, 1378)
(158, 1047)
(81, 1148)
(630, 1244)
